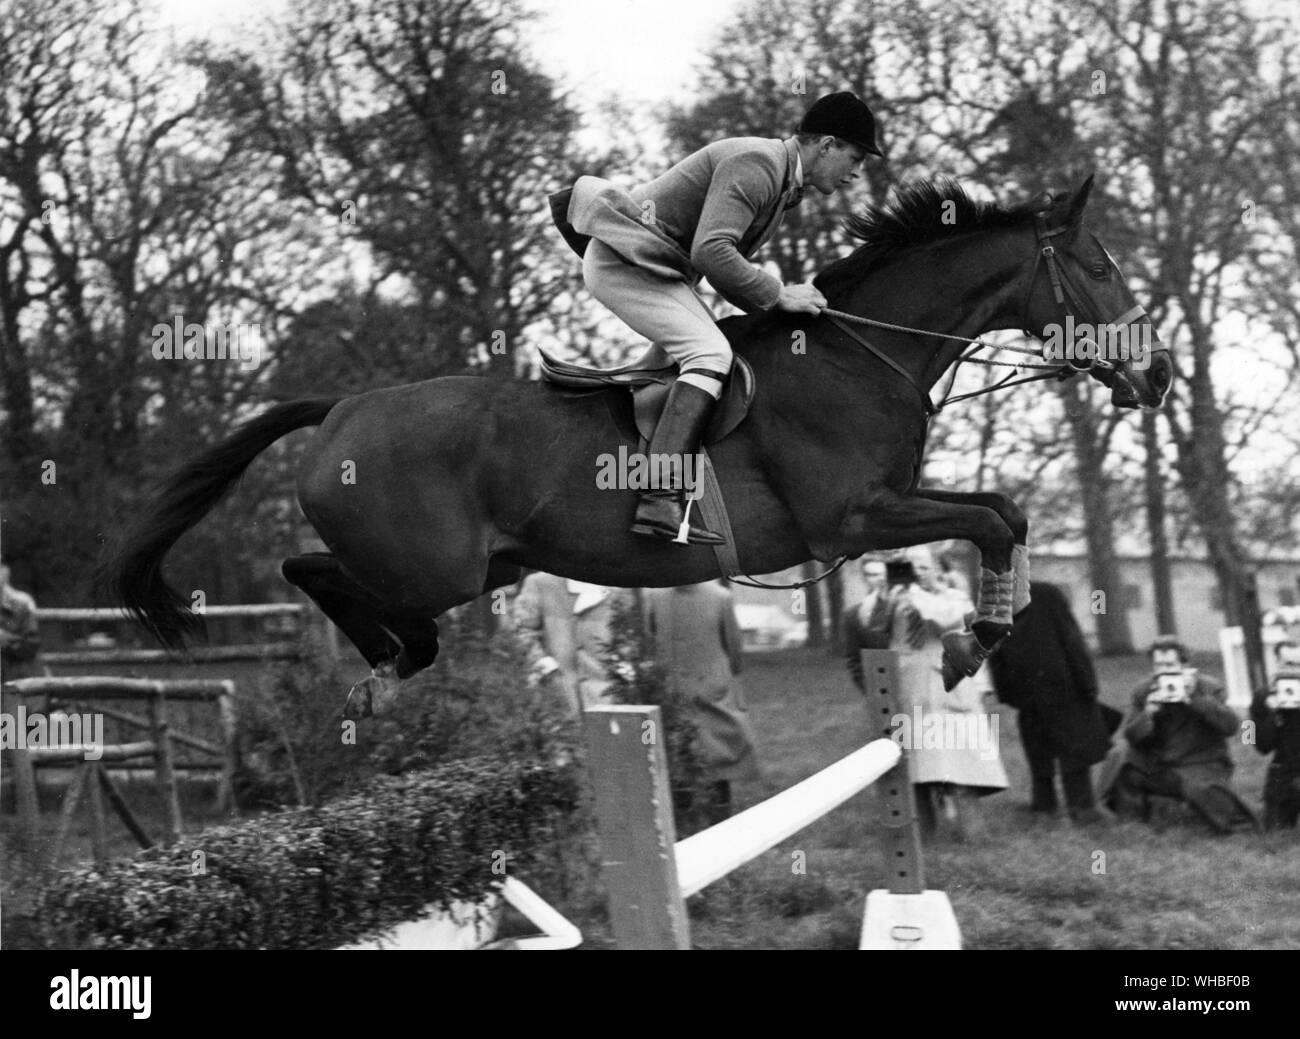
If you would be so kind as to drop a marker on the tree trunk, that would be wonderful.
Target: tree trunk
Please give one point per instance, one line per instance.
(1202, 464)
(1154, 484)
(813, 603)
(835, 598)
(1095, 490)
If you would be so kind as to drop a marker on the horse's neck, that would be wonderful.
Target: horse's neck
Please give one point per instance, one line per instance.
(962, 288)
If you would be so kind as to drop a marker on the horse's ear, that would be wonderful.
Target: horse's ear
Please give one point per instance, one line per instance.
(1075, 212)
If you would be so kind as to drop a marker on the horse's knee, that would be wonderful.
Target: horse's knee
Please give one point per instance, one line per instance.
(1013, 516)
(995, 538)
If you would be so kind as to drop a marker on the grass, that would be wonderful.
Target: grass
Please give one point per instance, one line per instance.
(1027, 883)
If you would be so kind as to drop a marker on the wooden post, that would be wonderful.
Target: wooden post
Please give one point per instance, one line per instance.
(118, 802)
(905, 915)
(883, 672)
(163, 773)
(637, 836)
(71, 798)
(98, 838)
(226, 789)
(29, 809)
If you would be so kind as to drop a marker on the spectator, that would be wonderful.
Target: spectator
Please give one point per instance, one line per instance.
(865, 626)
(563, 627)
(20, 639)
(1044, 671)
(1276, 714)
(956, 773)
(1177, 733)
(696, 643)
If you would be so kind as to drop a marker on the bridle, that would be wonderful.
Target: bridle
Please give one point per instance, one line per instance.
(1067, 296)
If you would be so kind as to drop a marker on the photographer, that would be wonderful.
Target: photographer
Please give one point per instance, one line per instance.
(865, 626)
(1276, 714)
(1177, 735)
(947, 778)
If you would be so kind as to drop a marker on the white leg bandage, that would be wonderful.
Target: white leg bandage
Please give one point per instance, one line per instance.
(1020, 568)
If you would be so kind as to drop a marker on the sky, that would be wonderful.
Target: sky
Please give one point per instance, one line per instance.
(642, 50)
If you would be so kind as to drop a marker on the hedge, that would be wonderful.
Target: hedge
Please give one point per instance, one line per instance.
(318, 878)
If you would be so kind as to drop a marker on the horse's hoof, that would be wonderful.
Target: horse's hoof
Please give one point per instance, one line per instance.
(371, 696)
(962, 657)
(951, 676)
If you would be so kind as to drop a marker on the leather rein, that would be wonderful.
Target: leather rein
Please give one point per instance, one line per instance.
(1067, 296)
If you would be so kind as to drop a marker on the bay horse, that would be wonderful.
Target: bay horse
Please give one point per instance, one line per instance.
(458, 483)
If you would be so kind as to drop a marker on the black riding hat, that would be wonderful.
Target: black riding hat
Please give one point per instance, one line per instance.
(844, 115)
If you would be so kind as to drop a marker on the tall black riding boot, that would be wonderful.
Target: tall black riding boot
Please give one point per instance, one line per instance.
(661, 510)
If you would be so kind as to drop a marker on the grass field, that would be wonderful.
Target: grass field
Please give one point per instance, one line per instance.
(1027, 883)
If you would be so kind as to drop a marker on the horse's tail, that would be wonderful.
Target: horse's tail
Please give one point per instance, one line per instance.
(131, 575)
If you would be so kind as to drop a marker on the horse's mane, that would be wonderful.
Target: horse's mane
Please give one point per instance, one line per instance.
(917, 213)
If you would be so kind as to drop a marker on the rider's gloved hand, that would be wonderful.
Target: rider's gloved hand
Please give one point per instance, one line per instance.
(800, 299)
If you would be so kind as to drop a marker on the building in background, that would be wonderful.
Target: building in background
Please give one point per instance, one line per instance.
(1198, 607)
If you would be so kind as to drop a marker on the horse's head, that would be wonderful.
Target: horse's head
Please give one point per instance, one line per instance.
(1078, 304)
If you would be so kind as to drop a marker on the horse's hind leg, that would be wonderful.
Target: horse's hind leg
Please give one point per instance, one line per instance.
(353, 610)
(383, 634)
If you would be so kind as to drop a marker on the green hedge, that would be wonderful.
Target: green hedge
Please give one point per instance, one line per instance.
(319, 878)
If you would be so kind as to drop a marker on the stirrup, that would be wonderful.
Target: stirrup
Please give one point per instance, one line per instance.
(669, 528)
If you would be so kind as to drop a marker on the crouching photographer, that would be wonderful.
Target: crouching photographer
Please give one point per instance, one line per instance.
(1275, 711)
(1177, 733)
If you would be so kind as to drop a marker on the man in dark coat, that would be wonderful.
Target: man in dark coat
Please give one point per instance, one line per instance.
(1045, 672)
(1276, 714)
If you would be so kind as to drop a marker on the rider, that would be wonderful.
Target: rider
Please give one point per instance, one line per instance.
(645, 250)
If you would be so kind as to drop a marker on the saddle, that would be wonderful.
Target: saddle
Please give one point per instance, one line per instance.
(649, 378)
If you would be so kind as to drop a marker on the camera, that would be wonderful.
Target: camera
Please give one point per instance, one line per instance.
(1172, 688)
(1287, 690)
(900, 572)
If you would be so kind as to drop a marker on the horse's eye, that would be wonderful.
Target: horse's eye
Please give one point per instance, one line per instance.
(1099, 271)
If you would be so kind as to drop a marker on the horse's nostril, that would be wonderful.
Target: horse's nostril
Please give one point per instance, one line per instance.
(1161, 373)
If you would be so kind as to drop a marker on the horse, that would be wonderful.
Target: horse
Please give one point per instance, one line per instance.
(431, 494)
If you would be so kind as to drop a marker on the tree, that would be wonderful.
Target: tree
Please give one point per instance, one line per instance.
(123, 207)
(424, 129)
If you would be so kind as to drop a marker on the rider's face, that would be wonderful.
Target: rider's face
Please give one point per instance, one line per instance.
(837, 165)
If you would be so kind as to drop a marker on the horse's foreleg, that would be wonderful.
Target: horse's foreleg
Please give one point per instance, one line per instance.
(886, 519)
(1015, 519)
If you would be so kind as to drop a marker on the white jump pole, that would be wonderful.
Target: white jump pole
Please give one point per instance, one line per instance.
(713, 853)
